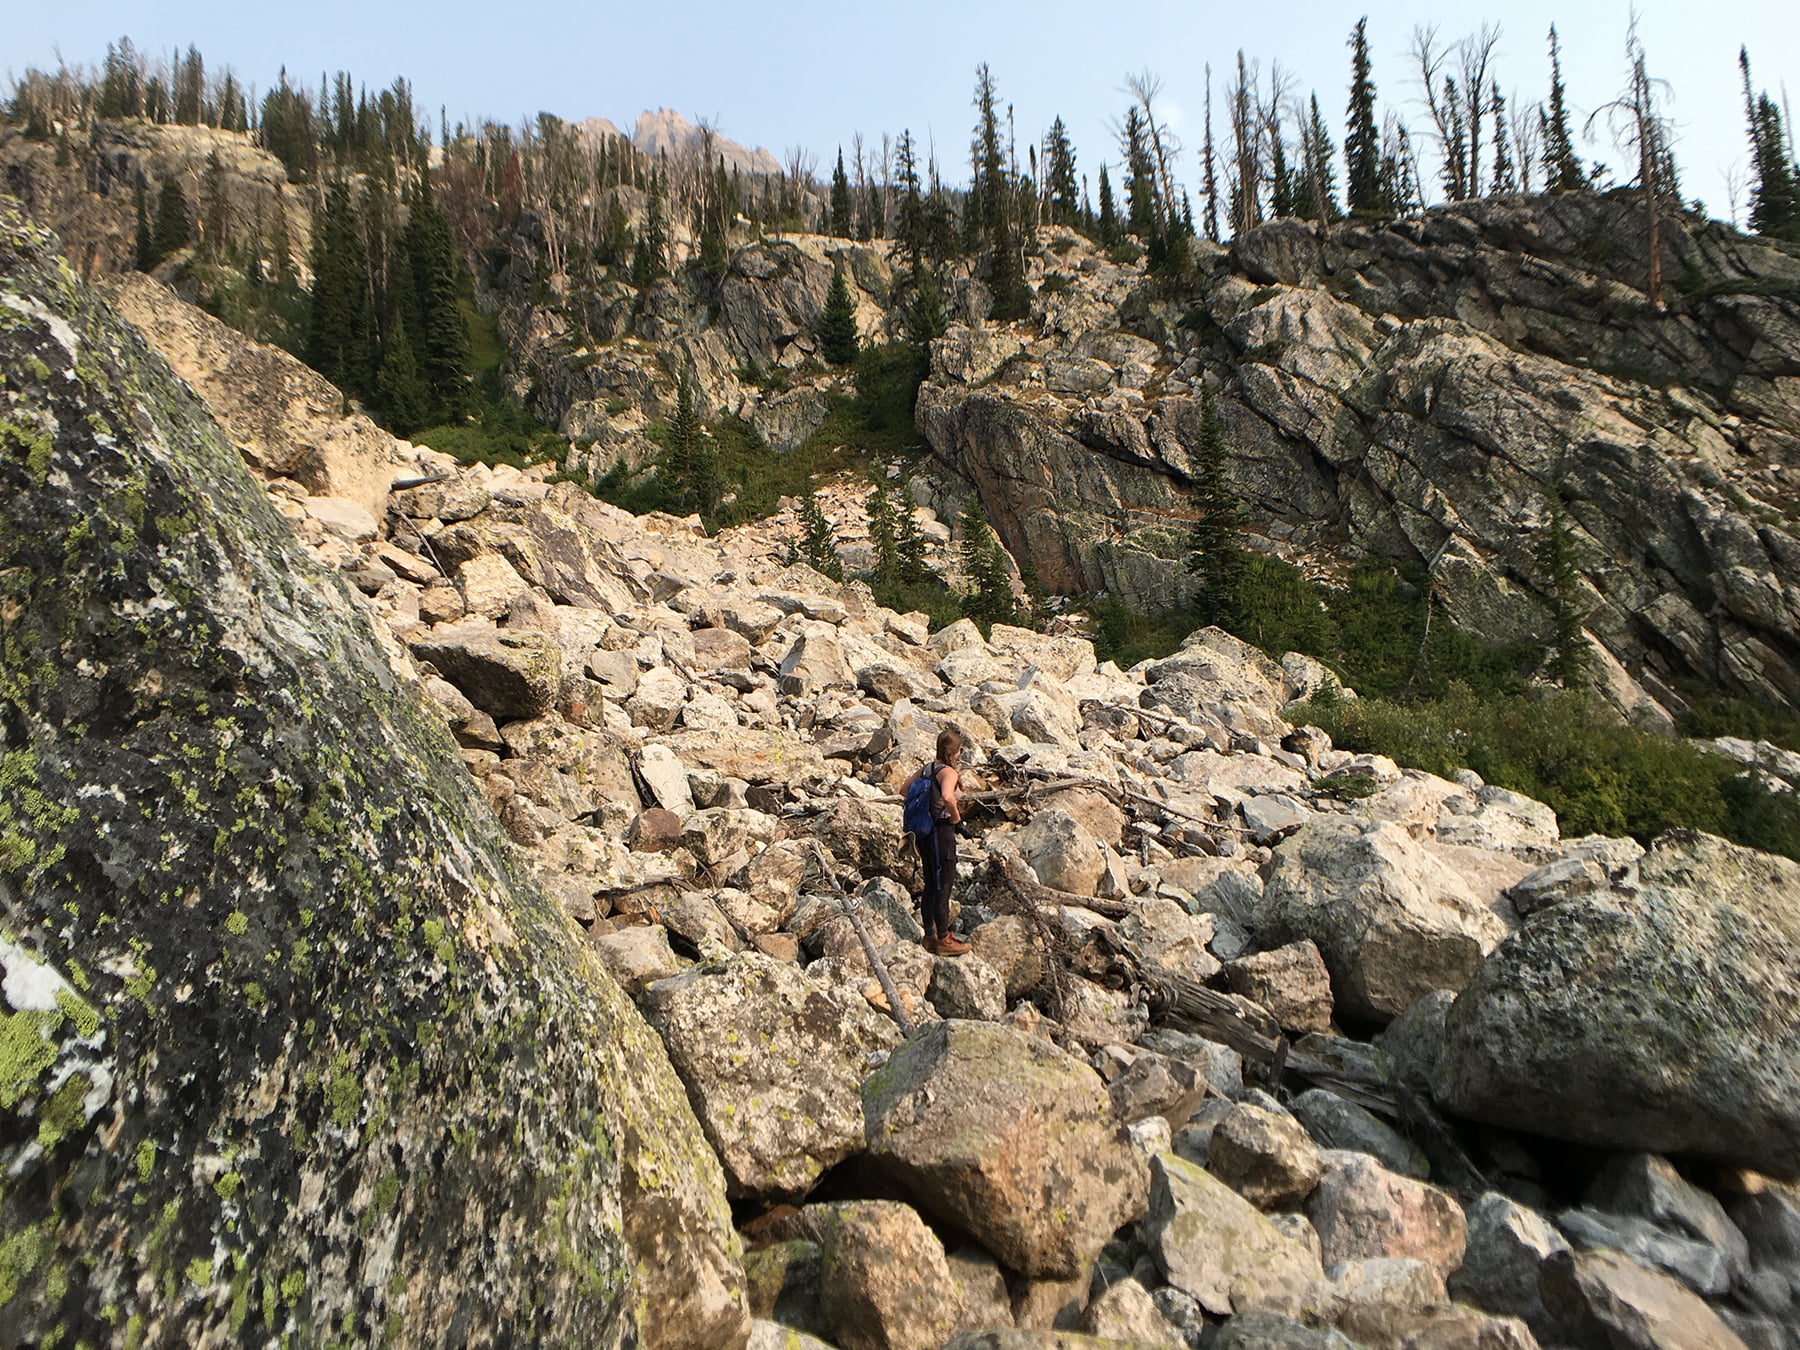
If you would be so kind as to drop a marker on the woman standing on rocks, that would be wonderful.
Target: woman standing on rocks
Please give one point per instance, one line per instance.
(937, 850)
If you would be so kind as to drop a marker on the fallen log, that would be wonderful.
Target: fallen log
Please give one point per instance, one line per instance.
(895, 1008)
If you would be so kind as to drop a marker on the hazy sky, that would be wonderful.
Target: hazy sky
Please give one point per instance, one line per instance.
(812, 74)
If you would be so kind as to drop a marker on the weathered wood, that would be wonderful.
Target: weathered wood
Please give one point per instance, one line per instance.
(896, 1009)
(1003, 873)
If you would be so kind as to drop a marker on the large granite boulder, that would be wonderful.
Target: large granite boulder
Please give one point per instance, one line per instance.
(1392, 921)
(1008, 1138)
(297, 1049)
(773, 1062)
(1216, 1246)
(1666, 1020)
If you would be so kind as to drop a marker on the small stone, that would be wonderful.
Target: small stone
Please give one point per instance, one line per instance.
(1264, 1157)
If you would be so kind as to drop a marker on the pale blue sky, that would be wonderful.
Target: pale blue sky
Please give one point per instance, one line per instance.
(812, 74)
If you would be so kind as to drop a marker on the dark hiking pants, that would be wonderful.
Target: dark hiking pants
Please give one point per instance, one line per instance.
(938, 852)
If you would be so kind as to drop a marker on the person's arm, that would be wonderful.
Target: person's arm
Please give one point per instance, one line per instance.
(947, 784)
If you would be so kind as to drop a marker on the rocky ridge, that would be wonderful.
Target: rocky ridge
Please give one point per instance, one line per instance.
(698, 747)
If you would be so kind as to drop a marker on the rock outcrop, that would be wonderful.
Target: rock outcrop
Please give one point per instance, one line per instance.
(297, 1049)
(1417, 389)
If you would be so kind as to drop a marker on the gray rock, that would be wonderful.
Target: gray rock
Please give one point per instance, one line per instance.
(1392, 921)
(1155, 1085)
(1644, 1186)
(507, 675)
(1264, 1157)
(1260, 1329)
(967, 987)
(738, 1033)
(278, 874)
(1220, 1065)
(876, 1258)
(1413, 1041)
(1604, 1298)
(1555, 882)
(1213, 1244)
(1701, 1267)
(1499, 1270)
(1362, 1210)
(1125, 1312)
(637, 956)
(1008, 1138)
(1336, 1123)
(782, 1282)
(1290, 982)
(1667, 1021)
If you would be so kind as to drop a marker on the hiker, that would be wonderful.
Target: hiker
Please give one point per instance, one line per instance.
(933, 815)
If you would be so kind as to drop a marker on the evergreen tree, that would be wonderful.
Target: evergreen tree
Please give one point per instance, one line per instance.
(884, 537)
(909, 539)
(841, 221)
(817, 543)
(1506, 178)
(683, 437)
(1775, 189)
(1282, 202)
(1140, 183)
(402, 390)
(444, 335)
(173, 227)
(911, 229)
(144, 246)
(337, 335)
(837, 323)
(984, 566)
(215, 209)
(1059, 176)
(1562, 170)
(1216, 551)
(1108, 227)
(1320, 188)
(1362, 141)
(651, 260)
(708, 482)
(997, 219)
(925, 320)
(1568, 660)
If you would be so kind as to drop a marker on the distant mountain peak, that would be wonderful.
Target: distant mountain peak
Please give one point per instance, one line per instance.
(667, 130)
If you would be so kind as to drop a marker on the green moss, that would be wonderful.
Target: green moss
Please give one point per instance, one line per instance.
(293, 1284)
(237, 923)
(440, 942)
(199, 1271)
(146, 1159)
(343, 1093)
(228, 1185)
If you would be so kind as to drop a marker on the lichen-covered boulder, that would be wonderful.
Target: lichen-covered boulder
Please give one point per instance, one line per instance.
(1008, 1138)
(1665, 1019)
(295, 1050)
(773, 1062)
(1392, 921)
(1217, 1247)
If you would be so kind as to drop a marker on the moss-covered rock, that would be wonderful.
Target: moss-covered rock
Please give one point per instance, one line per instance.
(290, 1047)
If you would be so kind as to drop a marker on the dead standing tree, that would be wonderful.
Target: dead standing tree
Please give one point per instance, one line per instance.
(1636, 121)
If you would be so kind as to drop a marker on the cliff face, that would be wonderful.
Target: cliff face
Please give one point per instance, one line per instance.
(292, 1048)
(1415, 391)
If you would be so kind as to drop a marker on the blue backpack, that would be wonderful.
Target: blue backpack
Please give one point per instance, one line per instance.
(915, 816)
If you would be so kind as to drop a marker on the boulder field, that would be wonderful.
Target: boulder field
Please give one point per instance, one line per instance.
(486, 918)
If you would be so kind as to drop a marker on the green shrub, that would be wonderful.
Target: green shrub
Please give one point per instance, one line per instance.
(1600, 775)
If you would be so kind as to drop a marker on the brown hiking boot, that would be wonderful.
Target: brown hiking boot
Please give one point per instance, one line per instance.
(952, 946)
(930, 944)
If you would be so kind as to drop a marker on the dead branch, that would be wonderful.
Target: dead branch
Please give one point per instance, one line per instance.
(851, 909)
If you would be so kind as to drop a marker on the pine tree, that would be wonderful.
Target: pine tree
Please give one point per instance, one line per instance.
(1775, 189)
(683, 437)
(1320, 189)
(925, 321)
(1216, 551)
(884, 537)
(1282, 203)
(1059, 176)
(909, 539)
(984, 566)
(337, 336)
(1506, 178)
(1140, 183)
(1108, 227)
(444, 334)
(144, 247)
(708, 482)
(1562, 169)
(1362, 141)
(911, 230)
(173, 227)
(837, 323)
(215, 209)
(1567, 659)
(997, 219)
(817, 543)
(650, 262)
(403, 392)
(841, 222)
